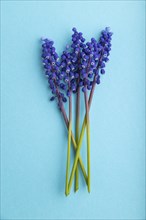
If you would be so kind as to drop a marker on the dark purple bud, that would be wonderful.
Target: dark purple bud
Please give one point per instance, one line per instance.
(52, 98)
(87, 82)
(77, 50)
(93, 40)
(67, 70)
(74, 60)
(83, 89)
(86, 57)
(52, 86)
(102, 71)
(53, 75)
(60, 76)
(68, 93)
(74, 29)
(63, 64)
(83, 39)
(90, 75)
(106, 59)
(76, 75)
(64, 99)
(84, 75)
(73, 88)
(89, 87)
(102, 65)
(81, 83)
(63, 86)
(53, 91)
(71, 75)
(66, 79)
(92, 63)
(84, 65)
(47, 73)
(98, 80)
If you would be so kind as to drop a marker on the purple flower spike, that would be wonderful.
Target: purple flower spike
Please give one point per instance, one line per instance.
(67, 68)
(70, 63)
(80, 65)
(104, 46)
(51, 65)
(89, 60)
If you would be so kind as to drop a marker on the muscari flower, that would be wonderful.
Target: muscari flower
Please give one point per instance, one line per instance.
(51, 64)
(104, 46)
(67, 69)
(70, 63)
(80, 65)
(89, 58)
(96, 55)
(79, 58)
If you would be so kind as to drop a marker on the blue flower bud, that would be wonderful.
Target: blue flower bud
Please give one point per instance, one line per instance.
(93, 40)
(52, 98)
(66, 79)
(68, 93)
(87, 82)
(67, 70)
(73, 88)
(102, 71)
(106, 59)
(83, 89)
(102, 65)
(98, 80)
(90, 75)
(53, 91)
(64, 99)
(76, 75)
(92, 63)
(89, 87)
(52, 86)
(83, 40)
(81, 83)
(74, 29)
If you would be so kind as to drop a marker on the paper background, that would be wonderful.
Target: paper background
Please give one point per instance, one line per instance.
(34, 138)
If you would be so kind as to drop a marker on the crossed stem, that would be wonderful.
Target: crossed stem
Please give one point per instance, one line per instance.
(77, 147)
(69, 144)
(77, 133)
(82, 133)
(74, 143)
(81, 138)
(88, 137)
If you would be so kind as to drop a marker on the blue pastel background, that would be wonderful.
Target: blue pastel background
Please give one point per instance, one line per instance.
(34, 138)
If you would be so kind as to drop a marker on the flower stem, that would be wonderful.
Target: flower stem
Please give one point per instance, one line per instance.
(88, 137)
(69, 144)
(77, 133)
(74, 143)
(81, 139)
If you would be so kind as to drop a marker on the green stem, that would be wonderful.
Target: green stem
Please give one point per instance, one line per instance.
(69, 145)
(74, 143)
(77, 134)
(81, 139)
(88, 137)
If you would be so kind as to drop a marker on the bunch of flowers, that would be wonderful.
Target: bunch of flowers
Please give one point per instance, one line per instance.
(77, 71)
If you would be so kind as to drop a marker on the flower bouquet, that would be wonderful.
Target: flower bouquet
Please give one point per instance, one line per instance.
(77, 71)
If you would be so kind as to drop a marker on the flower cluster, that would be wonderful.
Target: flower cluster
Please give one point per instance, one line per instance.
(80, 64)
(70, 63)
(80, 67)
(84, 58)
(89, 58)
(67, 69)
(104, 47)
(52, 69)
